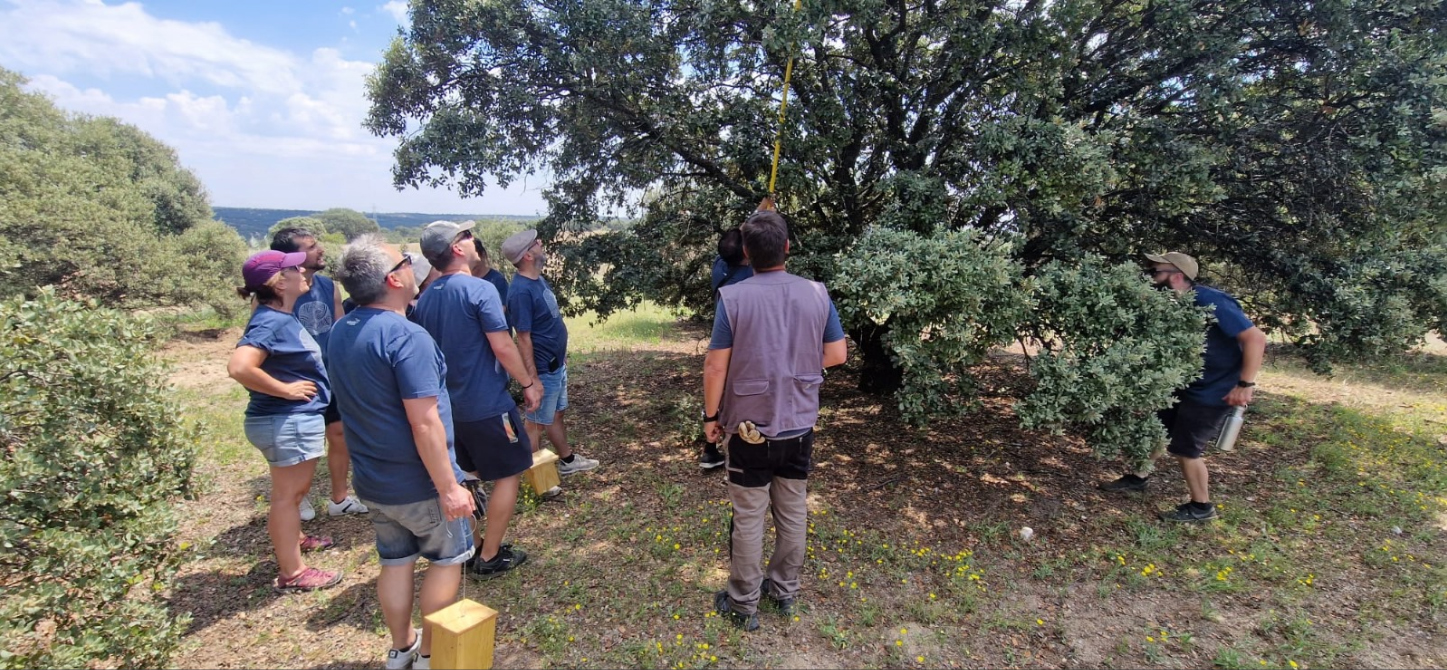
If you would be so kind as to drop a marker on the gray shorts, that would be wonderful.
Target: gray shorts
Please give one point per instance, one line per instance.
(287, 439)
(407, 531)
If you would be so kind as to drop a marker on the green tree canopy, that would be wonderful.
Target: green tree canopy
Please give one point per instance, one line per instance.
(1299, 150)
(347, 222)
(99, 209)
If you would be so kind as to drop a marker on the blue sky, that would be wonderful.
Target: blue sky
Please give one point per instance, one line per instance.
(263, 99)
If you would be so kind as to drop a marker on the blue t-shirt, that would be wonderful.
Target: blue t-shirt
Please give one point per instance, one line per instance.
(378, 359)
(532, 308)
(723, 333)
(457, 311)
(1222, 367)
(499, 282)
(317, 309)
(291, 355)
(721, 276)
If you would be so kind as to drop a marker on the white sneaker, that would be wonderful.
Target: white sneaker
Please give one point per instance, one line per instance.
(307, 511)
(401, 659)
(348, 505)
(422, 663)
(580, 463)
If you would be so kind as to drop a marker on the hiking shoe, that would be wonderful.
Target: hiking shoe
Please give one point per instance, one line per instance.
(348, 505)
(309, 579)
(710, 458)
(724, 605)
(1126, 484)
(785, 606)
(307, 511)
(401, 659)
(580, 463)
(551, 493)
(506, 559)
(1188, 513)
(317, 543)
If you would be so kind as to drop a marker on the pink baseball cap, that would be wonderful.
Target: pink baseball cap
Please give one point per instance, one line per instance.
(264, 265)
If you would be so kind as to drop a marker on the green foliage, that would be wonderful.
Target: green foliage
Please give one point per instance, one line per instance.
(98, 209)
(944, 301)
(317, 226)
(1113, 351)
(95, 450)
(347, 222)
(1298, 150)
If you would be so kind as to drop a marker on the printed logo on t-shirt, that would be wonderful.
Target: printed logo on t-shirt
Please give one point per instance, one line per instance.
(315, 316)
(552, 301)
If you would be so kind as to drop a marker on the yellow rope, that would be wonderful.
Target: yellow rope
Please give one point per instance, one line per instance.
(783, 105)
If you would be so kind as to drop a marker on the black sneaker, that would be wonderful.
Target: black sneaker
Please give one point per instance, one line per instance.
(710, 458)
(506, 559)
(1189, 514)
(724, 606)
(1128, 483)
(785, 606)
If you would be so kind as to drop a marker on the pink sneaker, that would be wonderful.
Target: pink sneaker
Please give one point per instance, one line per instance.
(317, 543)
(309, 579)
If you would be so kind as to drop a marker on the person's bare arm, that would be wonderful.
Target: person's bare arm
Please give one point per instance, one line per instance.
(512, 361)
(835, 353)
(715, 373)
(1253, 352)
(431, 438)
(525, 349)
(245, 367)
(337, 301)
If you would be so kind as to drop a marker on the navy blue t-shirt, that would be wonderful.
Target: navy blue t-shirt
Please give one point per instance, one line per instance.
(499, 282)
(458, 311)
(317, 309)
(532, 308)
(291, 355)
(721, 276)
(377, 359)
(1222, 367)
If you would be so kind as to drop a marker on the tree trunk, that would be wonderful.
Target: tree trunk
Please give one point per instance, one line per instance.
(878, 375)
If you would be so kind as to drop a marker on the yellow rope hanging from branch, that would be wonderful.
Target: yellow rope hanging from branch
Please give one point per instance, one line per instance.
(783, 106)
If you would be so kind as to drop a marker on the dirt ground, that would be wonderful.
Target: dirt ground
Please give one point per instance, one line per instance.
(964, 485)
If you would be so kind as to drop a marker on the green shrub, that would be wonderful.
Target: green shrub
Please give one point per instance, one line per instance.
(947, 299)
(1113, 350)
(94, 451)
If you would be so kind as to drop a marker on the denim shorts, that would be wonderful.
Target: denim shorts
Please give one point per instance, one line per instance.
(407, 531)
(555, 397)
(287, 439)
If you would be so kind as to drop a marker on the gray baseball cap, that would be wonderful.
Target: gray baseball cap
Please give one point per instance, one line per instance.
(439, 235)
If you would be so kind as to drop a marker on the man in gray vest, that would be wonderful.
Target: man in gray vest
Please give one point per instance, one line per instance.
(773, 334)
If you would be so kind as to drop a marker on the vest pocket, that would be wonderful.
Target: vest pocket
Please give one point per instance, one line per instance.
(807, 382)
(751, 386)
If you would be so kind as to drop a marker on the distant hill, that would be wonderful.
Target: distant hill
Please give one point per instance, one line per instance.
(251, 222)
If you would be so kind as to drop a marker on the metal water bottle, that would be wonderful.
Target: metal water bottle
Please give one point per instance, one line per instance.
(1227, 440)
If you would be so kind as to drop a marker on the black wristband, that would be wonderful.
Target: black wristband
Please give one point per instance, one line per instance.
(530, 385)
(708, 419)
(1245, 384)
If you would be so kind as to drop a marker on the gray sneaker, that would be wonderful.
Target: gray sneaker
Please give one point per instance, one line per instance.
(580, 463)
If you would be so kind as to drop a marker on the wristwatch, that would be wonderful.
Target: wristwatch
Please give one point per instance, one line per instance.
(706, 418)
(1245, 384)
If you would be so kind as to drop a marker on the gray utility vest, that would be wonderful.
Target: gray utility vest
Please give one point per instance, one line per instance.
(775, 367)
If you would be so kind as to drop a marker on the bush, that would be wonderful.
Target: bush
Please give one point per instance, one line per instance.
(946, 299)
(94, 453)
(1114, 350)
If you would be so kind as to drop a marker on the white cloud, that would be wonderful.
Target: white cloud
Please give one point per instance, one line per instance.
(348, 10)
(398, 10)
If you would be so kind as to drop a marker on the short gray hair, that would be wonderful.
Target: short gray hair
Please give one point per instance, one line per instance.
(363, 269)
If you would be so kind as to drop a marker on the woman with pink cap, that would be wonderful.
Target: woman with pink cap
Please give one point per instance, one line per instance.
(281, 366)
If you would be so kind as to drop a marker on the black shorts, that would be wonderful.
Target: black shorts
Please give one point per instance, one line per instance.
(1192, 426)
(333, 412)
(754, 465)
(494, 448)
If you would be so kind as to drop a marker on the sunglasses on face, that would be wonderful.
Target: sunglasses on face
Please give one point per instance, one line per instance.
(406, 261)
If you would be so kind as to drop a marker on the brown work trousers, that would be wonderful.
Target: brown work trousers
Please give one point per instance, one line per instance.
(768, 477)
